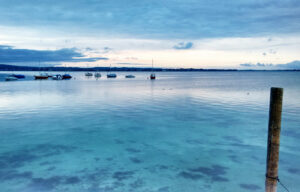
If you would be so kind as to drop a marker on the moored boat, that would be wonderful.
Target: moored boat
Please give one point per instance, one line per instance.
(97, 75)
(19, 76)
(152, 76)
(66, 76)
(88, 74)
(111, 75)
(11, 78)
(41, 77)
(57, 77)
(129, 76)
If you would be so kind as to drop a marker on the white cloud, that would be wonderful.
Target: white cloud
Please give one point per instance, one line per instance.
(206, 53)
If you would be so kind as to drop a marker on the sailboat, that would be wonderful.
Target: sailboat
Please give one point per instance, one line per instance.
(41, 76)
(11, 78)
(14, 77)
(111, 75)
(129, 76)
(19, 76)
(97, 74)
(66, 76)
(56, 77)
(152, 75)
(88, 74)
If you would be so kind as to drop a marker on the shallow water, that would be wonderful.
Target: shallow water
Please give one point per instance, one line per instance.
(185, 131)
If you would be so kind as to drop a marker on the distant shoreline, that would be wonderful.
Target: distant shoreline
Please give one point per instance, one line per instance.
(4, 67)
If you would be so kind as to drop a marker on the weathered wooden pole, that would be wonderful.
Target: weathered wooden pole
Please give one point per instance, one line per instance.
(273, 139)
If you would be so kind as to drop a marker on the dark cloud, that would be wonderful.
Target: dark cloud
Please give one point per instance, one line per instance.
(290, 65)
(8, 54)
(89, 49)
(165, 19)
(107, 49)
(261, 65)
(183, 45)
(5, 47)
(271, 51)
(247, 65)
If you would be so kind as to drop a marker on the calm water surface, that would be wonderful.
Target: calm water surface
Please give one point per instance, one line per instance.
(184, 132)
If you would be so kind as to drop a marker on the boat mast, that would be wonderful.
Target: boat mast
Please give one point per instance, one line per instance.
(152, 65)
(40, 65)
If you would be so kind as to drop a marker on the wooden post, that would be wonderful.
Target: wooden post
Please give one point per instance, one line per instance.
(273, 139)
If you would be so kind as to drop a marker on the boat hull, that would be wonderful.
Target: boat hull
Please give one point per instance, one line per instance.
(66, 76)
(88, 74)
(111, 76)
(97, 75)
(130, 76)
(152, 76)
(19, 76)
(41, 77)
(11, 79)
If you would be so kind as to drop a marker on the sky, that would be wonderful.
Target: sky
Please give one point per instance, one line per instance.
(254, 34)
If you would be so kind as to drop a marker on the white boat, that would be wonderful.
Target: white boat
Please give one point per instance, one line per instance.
(129, 76)
(88, 74)
(57, 77)
(11, 78)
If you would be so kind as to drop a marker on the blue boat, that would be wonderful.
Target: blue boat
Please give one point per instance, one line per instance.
(111, 75)
(66, 76)
(19, 76)
(129, 76)
(11, 78)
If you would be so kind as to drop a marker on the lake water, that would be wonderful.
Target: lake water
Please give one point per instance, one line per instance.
(184, 132)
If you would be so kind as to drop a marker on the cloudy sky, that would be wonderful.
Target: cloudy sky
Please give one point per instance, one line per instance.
(175, 33)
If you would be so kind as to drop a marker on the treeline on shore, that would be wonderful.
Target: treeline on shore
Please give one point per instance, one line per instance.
(4, 67)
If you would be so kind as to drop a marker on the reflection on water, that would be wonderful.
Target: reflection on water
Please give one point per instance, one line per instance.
(203, 131)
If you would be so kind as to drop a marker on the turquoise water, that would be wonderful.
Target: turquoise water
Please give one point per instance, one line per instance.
(184, 132)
